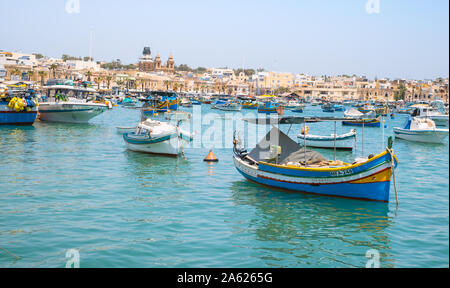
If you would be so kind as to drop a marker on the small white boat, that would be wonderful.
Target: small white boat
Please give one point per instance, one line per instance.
(293, 105)
(425, 111)
(177, 116)
(421, 130)
(342, 142)
(123, 130)
(356, 114)
(157, 137)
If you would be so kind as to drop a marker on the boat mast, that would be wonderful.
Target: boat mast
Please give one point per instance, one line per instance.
(335, 135)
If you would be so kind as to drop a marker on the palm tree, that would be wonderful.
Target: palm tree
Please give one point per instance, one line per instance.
(166, 83)
(16, 72)
(30, 74)
(42, 74)
(53, 67)
(108, 79)
(98, 80)
(88, 74)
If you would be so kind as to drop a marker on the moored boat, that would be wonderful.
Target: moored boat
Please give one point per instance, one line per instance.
(70, 104)
(363, 122)
(17, 107)
(288, 166)
(157, 137)
(421, 130)
(341, 142)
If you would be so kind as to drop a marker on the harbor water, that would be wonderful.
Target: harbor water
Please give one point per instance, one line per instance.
(70, 186)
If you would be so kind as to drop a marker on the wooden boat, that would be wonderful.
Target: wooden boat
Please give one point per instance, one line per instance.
(328, 107)
(421, 130)
(18, 107)
(341, 142)
(229, 106)
(250, 105)
(363, 122)
(279, 162)
(268, 108)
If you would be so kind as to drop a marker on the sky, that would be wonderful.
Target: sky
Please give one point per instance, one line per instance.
(395, 39)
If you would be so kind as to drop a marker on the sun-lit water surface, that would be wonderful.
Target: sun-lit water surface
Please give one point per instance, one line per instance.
(68, 186)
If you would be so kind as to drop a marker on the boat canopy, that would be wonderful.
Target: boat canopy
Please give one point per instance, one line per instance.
(291, 151)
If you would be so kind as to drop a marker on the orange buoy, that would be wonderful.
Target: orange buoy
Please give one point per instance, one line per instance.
(211, 157)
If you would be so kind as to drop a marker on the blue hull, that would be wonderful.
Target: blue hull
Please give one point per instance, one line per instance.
(378, 124)
(372, 191)
(9, 117)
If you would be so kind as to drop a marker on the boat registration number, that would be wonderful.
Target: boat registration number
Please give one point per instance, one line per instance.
(341, 172)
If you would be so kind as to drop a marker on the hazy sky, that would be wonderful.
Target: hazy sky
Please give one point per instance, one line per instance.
(406, 39)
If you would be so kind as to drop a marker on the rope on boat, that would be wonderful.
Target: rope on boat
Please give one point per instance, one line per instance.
(393, 175)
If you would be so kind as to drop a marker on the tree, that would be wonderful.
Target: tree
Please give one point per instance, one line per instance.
(87, 58)
(16, 72)
(53, 68)
(42, 74)
(200, 70)
(88, 75)
(38, 56)
(30, 74)
(400, 93)
(108, 79)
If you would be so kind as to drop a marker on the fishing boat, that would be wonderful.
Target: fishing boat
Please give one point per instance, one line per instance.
(421, 130)
(164, 101)
(426, 111)
(328, 107)
(280, 162)
(128, 102)
(229, 106)
(157, 137)
(250, 105)
(71, 104)
(217, 103)
(298, 110)
(268, 107)
(293, 105)
(363, 122)
(177, 116)
(18, 106)
(338, 107)
(196, 102)
(341, 142)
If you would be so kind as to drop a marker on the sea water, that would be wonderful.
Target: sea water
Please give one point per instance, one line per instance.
(71, 187)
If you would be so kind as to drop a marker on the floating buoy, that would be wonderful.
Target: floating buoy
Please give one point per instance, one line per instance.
(211, 157)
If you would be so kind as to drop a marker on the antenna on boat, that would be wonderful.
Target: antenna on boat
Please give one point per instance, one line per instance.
(362, 139)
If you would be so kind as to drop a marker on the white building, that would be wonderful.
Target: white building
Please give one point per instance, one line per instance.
(83, 65)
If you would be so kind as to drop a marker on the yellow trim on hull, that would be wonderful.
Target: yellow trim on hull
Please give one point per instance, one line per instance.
(329, 169)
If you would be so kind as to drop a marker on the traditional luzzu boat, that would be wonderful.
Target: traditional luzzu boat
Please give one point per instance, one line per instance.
(328, 107)
(338, 107)
(18, 107)
(421, 130)
(363, 122)
(155, 137)
(279, 162)
(268, 107)
(341, 142)
(250, 105)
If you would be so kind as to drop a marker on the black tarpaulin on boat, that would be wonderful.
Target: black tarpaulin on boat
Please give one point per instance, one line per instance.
(291, 151)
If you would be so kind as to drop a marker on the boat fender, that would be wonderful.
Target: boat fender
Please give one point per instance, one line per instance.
(371, 156)
(305, 130)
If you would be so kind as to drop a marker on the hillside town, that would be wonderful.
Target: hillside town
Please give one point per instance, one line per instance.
(150, 73)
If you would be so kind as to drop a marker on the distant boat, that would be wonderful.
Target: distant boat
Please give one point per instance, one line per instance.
(250, 105)
(328, 107)
(338, 107)
(268, 108)
(363, 122)
(342, 142)
(123, 130)
(156, 137)
(421, 130)
(230, 106)
(426, 111)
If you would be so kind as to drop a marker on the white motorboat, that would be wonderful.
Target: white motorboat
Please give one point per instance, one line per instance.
(70, 104)
(293, 105)
(157, 137)
(355, 114)
(426, 111)
(341, 142)
(421, 130)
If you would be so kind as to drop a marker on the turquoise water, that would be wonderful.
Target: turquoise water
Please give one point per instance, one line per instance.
(77, 187)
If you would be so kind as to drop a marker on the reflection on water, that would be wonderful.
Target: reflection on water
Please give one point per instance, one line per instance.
(306, 221)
